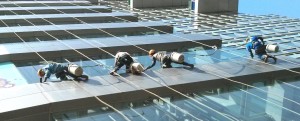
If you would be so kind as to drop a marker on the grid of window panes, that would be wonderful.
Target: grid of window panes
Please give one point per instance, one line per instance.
(233, 102)
(232, 28)
(236, 102)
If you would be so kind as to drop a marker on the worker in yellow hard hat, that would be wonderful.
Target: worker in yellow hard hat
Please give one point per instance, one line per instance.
(164, 59)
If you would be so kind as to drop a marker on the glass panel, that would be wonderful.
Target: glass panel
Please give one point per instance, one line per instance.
(10, 76)
(235, 101)
(193, 55)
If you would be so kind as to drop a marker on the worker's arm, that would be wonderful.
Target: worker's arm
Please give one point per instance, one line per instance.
(251, 54)
(116, 60)
(153, 64)
(47, 75)
(45, 79)
(248, 48)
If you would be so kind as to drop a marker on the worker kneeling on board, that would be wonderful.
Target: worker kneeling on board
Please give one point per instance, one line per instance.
(167, 59)
(61, 71)
(258, 45)
(123, 58)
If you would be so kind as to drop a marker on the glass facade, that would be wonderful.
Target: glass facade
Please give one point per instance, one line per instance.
(232, 28)
(193, 55)
(227, 102)
(234, 102)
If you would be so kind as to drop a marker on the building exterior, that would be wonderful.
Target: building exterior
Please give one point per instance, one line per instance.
(224, 85)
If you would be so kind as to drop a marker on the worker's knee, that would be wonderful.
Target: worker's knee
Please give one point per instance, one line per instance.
(63, 77)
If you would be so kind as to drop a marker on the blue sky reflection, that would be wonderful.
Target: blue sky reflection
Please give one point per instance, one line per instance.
(289, 8)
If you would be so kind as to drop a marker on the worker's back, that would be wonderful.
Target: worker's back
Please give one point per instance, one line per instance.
(253, 45)
(257, 45)
(121, 54)
(160, 56)
(54, 68)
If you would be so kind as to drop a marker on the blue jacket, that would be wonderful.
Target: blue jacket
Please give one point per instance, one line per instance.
(254, 43)
(53, 68)
(257, 39)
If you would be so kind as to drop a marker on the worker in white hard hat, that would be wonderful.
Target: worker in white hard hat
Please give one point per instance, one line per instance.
(60, 71)
(164, 59)
(257, 43)
(121, 59)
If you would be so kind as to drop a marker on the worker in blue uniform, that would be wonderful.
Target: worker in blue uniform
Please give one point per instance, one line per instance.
(164, 59)
(121, 59)
(60, 71)
(257, 44)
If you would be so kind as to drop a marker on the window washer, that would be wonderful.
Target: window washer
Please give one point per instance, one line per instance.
(121, 59)
(61, 72)
(257, 43)
(166, 59)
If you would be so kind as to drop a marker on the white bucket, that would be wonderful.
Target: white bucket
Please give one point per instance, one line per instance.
(177, 57)
(75, 69)
(136, 68)
(272, 48)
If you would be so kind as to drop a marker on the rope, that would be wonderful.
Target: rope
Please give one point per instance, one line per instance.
(109, 33)
(202, 43)
(137, 61)
(103, 49)
(72, 79)
(250, 85)
(214, 47)
(176, 107)
(271, 102)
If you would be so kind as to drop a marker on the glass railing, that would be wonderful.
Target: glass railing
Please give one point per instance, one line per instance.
(226, 103)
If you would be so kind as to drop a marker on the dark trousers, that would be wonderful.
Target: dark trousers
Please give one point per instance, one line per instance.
(261, 52)
(167, 61)
(124, 60)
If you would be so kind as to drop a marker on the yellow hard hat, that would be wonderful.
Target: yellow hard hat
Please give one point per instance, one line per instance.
(41, 73)
(152, 52)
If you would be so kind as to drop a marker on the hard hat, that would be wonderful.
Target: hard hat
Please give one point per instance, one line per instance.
(41, 73)
(152, 52)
